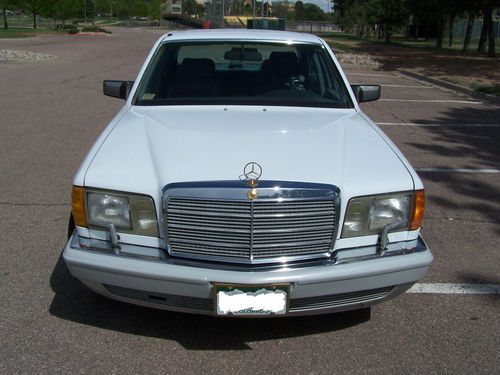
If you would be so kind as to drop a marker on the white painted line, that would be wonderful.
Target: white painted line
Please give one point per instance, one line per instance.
(430, 101)
(445, 288)
(409, 86)
(371, 75)
(437, 125)
(458, 170)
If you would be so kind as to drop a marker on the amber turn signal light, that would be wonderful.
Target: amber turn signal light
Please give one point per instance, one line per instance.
(417, 216)
(78, 206)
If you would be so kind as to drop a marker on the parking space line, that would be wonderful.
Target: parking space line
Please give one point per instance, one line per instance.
(409, 86)
(436, 125)
(431, 101)
(458, 170)
(449, 288)
(371, 75)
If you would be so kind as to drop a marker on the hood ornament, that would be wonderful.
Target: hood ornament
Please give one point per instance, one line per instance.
(252, 172)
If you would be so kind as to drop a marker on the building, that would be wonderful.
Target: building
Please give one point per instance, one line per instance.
(173, 7)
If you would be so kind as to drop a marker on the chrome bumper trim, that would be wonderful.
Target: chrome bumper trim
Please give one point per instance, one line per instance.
(342, 256)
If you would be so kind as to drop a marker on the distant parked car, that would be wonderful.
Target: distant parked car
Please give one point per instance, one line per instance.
(241, 178)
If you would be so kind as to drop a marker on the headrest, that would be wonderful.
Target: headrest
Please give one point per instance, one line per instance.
(283, 59)
(197, 68)
(243, 54)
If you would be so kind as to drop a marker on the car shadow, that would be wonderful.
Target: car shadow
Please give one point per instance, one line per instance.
(74, 302)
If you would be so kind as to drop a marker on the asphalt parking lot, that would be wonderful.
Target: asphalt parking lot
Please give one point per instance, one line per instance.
(51, 112)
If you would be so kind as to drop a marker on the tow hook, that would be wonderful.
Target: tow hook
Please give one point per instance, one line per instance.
(114, 237)
(384, 237)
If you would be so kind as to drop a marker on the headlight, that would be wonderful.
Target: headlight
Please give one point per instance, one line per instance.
(369, 215)
(108, 209)
(129, 213)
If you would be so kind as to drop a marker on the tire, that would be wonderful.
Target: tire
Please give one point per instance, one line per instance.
(71, 226)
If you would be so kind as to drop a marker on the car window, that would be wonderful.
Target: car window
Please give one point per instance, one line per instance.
(242, 73)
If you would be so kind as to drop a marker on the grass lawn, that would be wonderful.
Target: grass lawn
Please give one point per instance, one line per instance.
(346, 41)
(473, 70)
(27, 32)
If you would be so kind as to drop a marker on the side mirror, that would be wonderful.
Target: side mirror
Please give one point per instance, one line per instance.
(366, 93)
(117, 89)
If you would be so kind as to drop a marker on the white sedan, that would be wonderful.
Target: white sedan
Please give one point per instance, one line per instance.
(241, 178)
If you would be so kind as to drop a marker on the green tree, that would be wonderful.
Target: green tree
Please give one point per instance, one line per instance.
(189, 7)
(4, 5)
(155, 9)
(62, 9)
(34, 7)
(488, 7)
(299, 11)
(352, 16)
(387, 14)
(314, 13)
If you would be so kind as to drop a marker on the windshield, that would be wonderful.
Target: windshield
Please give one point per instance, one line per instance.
(242, 73)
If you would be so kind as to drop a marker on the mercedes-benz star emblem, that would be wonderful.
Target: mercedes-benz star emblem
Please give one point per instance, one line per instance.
(252, 171)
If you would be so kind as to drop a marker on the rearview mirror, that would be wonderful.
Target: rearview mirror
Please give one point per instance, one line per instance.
(117, 89)
(366, 93)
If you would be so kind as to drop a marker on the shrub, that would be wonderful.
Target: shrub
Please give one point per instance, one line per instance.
(95, 29)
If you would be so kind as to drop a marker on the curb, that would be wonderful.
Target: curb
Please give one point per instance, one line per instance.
(450, 86)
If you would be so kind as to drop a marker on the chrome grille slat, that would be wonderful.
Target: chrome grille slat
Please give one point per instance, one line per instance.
(201, 250)
(210, 213)
(338, 299)
(290, 244)
(277, 231)
(211, 228)
(246, 230)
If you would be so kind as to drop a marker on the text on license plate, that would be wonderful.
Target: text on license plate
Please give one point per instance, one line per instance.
(251, 300)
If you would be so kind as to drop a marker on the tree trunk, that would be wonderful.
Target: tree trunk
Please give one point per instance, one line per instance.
(482, 40)
(468, 32)
(439, 40)
(5, 24)
(34, 19)
(387, 34)
(491, 37)
(450, 25)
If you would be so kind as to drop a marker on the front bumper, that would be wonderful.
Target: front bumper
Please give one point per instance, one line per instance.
(314, 288)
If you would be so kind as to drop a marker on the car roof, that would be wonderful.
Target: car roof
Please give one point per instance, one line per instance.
(241, 34)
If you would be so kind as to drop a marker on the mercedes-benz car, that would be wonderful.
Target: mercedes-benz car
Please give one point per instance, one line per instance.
(241, 178)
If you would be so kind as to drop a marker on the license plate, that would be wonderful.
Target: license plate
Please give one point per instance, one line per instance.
(249, 300)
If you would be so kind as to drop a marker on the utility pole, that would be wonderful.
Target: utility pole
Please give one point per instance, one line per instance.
(253, 21)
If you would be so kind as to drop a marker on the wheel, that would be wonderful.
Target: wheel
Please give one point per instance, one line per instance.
(71, 226)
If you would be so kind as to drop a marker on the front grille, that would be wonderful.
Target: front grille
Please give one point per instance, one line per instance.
(333, 300)
(250, 230)
(206, 304)
(171, 300)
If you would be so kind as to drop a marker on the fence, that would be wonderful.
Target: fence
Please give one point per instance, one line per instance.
(459, 31)
(26, 22)
(160, 24)
(460, 27)
(312, 26)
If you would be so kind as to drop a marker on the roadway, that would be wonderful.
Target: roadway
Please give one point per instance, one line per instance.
(51, 113)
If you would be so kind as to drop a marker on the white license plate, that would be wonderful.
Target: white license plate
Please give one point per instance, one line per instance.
(240, 300)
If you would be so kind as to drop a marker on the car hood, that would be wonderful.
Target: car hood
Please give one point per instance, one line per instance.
(150, 147)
